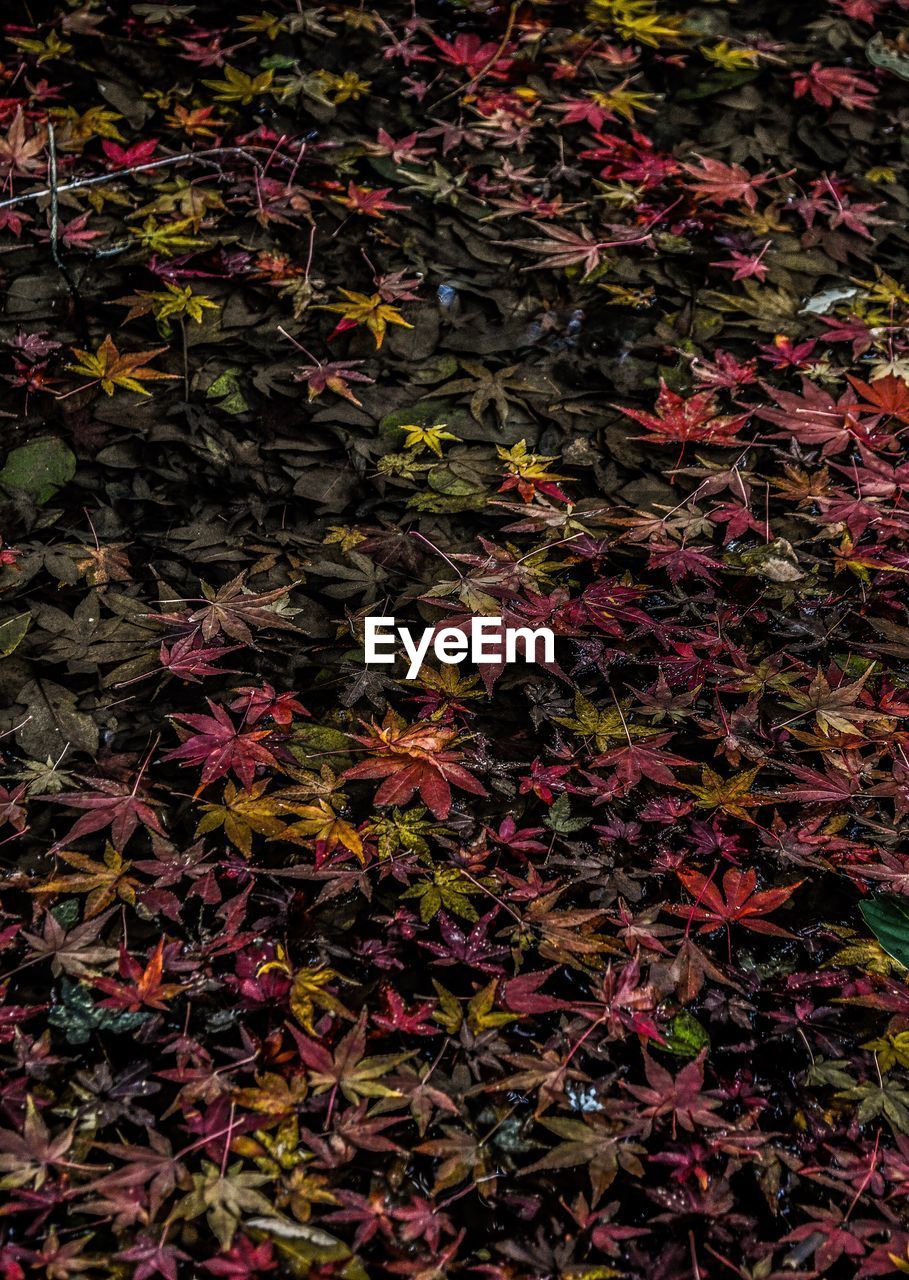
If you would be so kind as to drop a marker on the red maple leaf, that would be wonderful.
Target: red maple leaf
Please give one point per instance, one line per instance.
(678, 419)
(219, 747)
(114, 804)
(264, 703)
(719, 183)
(815, 418)
(829, 85)
(474, 54)
(737, 904)
(332, 375)
(373, 201)
(143, 988)
(637, 760)
(189, 658)
(888, 395)
(682, 562)
(834, 786)
(409, 1021)
(411, 759)
(680, 1097)
(563, 247)
(125, 157)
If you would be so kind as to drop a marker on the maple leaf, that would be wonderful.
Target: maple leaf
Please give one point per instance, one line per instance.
(834, 708)
(398, 1017)
(730, 795)
(372, 201)
(239, 87)
(168, 238)
(103, 881)
(332, 375)
(144, 988)
(743, 265)
(681, 1097)
(829, 85)
(815, 418)
(234, 610)
(695, 418)
(73, 952)
(123, 157)
(347, 1069)
(560, 247)
(719, 183)
(114, 804)
(112, 368)
(19, 153)
(224, 1196)
(190, 659)
(262, 702)
(838, 784)
(220, 747)
(529, 473)
(423, 1220)
(308, 993)
(739, 902)
(463, 1155)
(413, 759)
(679, 562)
(273, 1095)
(27, 1157)
(487, 387)
(593, 1143)
(319, 822)
(889, 395)
(635, 761)
(241, 813)
(361, 308)
(603, 726)
(447, 888)
(153, 1257)
(827, 1237)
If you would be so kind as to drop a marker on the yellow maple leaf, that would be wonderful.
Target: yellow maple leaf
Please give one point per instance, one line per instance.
(730, 795)
(237, 86)
(113, 368)
(370, 310)
(320, 822)
(308, 994)
(241, 813)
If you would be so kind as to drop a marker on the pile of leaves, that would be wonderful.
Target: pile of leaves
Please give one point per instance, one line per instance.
(581, 316)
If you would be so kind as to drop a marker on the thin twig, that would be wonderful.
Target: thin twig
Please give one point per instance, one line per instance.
(488, 66)
(55, 231)
(79, 184)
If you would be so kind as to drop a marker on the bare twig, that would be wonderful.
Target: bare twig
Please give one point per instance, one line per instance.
(55, 230)
(488, 66)
(78, 184)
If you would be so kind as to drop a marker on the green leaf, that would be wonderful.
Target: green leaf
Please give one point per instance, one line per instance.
(686, 1037)
(888, 919)
(302, 1246)
(39, 468)
(559, 818)
(309, 740)
(12, 633)
(77, 1016)
(227, 390)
